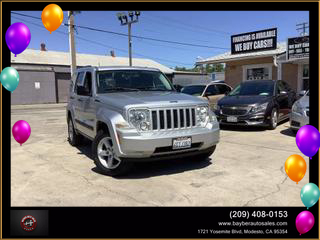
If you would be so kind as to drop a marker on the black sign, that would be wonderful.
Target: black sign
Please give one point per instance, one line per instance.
(254, 41)
(298, 47)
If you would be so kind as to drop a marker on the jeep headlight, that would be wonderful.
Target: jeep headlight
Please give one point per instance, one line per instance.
(260, 107)
(202, 115)
(140, 119)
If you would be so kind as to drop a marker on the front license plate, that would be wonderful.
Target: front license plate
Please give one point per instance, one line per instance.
(181, 143)
(232, 119)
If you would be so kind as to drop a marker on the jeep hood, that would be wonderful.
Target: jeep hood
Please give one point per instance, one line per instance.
(148, 99)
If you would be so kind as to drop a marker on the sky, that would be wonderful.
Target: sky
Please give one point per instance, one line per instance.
(209, 28)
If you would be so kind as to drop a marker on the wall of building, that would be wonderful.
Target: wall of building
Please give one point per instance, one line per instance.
(290, 74)
(27, 93)
(234, 69)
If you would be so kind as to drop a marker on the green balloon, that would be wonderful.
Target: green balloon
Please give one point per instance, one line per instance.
(9, 78)
(310, 194)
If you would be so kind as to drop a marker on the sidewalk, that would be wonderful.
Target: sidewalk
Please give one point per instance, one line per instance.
(39, 106)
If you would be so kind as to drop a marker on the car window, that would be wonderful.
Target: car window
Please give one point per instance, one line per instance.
(79, 80)
(286, 86)
(88, 83)
(263, 88)
(195, 90)
(281, 87)
(212, 90)
(132, 79)
(222, 88)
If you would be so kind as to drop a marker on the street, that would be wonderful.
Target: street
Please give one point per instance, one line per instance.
(247, 169)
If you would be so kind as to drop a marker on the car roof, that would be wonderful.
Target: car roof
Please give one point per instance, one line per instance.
(206, 84)
(105, 68)
(259, 81)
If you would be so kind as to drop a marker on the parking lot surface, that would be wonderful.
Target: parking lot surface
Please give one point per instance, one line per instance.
(247, 169)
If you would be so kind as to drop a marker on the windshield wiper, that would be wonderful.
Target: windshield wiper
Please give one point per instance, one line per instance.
(121, 89)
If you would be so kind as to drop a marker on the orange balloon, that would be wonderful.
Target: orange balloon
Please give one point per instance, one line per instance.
(52, 17)
(295, 167)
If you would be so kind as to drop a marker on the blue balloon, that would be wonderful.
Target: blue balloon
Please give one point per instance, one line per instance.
(308, 140)
(310, 194)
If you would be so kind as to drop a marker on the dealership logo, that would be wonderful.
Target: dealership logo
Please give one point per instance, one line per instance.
(28, 223)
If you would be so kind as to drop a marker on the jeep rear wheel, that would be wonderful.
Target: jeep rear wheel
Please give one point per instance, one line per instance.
(105, 157)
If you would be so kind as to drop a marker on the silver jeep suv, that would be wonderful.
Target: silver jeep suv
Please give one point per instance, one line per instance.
(134, 114)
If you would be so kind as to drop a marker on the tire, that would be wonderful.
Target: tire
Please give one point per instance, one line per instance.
(107, 162)
(205, 156)
(73, 138)
(294, 131)
(273, 119)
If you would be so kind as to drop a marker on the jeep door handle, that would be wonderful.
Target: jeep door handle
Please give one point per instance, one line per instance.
(71, 97)
(97, 100)
(80, 100)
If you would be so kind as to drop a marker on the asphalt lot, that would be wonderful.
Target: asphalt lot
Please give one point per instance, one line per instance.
(247, 169)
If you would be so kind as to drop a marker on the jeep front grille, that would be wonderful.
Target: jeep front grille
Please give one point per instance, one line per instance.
(173, 118)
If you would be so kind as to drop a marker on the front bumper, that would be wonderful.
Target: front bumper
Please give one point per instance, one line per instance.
(155, 144)
(298, 120)
(251, 119)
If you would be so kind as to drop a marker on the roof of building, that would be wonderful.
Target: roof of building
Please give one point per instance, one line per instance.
(227, 57)
(32, 56)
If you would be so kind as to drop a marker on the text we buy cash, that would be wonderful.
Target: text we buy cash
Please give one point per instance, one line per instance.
(254, 41)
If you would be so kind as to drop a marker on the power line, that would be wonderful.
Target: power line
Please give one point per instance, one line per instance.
(136, 36)
(169, 19)
(104, 45)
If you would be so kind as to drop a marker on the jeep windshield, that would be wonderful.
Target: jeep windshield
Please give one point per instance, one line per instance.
(132, 80)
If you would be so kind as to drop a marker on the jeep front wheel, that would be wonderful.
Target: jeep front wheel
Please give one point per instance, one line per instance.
(105, 157)
(73, 138)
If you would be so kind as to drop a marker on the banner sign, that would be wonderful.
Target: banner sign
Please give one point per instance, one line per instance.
(254, 41)
(298, 47)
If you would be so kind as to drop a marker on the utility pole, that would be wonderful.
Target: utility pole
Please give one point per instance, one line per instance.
(130, 44)
(303, 28)
(71, 42)
(125, 21)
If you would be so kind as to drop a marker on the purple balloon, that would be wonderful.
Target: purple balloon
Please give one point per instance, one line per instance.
(18, 37)
(308, 140)
(21, 131)
(304, 222)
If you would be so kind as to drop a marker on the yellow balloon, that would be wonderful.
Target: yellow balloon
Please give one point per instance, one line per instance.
(295, 167)
(52, 17)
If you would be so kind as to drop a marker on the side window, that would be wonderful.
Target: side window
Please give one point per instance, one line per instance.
(88, 83)
(280, 87)
(287, 86)
(212, 90)
(84, 84)
(79, 81)
(222, 89)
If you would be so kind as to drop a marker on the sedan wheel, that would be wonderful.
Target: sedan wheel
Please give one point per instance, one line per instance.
(273, 119)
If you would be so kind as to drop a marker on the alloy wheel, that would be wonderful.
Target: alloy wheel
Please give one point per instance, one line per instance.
(106, 154)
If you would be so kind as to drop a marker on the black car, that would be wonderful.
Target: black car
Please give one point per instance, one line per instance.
(257, 102)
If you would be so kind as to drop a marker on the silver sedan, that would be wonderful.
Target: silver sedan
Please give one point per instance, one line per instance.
(300, 113)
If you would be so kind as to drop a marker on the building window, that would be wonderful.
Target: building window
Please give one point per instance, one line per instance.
(305, 77)
(257, 72)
